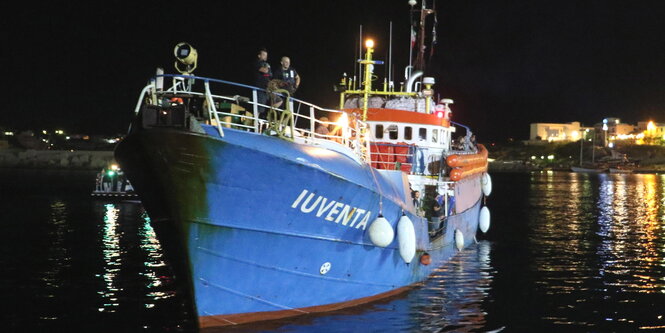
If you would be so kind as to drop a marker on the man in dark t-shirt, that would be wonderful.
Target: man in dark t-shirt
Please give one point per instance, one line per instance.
(262, 75)
(289, 75)
(262, 70)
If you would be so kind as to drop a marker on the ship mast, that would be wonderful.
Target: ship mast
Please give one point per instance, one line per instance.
(424, 12)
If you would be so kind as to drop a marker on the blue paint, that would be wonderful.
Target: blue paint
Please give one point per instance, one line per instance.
(260, 217)
(257, 241)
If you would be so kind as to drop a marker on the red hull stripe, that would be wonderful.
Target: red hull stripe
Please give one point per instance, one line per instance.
(243, 318)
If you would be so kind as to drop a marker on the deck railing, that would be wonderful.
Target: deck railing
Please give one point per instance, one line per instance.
(293, 120)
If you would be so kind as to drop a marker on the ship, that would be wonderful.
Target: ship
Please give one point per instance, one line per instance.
(112, 183)
(266, 217)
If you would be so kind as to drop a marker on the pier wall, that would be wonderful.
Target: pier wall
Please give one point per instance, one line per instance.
(55, 159)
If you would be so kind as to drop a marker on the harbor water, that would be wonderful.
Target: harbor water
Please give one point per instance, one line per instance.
(566, 252)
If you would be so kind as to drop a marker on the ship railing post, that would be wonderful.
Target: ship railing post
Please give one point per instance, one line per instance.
(255, 108)
(212, 109)
(143, 92)
(312, 119)
(293, 117)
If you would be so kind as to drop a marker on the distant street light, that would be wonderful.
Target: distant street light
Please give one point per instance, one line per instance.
(605, 135)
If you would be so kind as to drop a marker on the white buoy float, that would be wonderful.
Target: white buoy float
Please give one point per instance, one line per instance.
(381, 233)
(459, 239)
(484, 220)
(406, 237)
(486, 184)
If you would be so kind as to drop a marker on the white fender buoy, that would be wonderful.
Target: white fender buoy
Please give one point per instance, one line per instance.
(381, 233)
(486, 184)
(459, 239)
(484, 220)
(406, 237)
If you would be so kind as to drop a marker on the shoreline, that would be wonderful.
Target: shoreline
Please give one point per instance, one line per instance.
(55, 159)
(517, 166)
(99, 159)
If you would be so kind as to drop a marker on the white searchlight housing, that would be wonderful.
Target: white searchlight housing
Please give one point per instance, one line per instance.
(185, 54)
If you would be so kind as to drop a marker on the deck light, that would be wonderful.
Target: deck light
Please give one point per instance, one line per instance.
(343, 120)
(369, 44)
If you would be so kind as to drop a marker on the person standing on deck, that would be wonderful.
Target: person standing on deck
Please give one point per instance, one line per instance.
(322, 127)
(289, 75)
(262, 75)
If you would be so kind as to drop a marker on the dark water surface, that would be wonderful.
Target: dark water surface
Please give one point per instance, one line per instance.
(566, 252)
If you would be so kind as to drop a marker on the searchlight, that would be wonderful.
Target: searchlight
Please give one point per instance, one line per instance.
(186, 55)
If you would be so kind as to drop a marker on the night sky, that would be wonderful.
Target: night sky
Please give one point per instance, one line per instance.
(80, 66)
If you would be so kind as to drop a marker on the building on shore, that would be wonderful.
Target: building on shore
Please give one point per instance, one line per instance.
(607, 133)
(552, 132)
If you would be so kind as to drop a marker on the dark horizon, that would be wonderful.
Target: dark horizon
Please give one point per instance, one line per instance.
(80, 67)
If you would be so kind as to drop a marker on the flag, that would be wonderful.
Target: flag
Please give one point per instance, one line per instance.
(434, 33)
(431, 52)
(413, 37)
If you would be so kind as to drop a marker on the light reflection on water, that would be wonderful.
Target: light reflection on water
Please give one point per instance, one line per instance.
(58, 258)
(115, 252)
(566, 252)
(154, 260)
(597, 241)
(112, 254)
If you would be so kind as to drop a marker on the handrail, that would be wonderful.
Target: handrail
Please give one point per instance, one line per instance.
(212, 108)
(282, 121)
(143, 92)
(467, 135)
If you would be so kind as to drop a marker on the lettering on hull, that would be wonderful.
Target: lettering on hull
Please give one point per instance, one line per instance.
(331, 210)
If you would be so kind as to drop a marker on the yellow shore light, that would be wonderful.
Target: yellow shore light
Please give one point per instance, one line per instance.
(369, 43)
(651, 126)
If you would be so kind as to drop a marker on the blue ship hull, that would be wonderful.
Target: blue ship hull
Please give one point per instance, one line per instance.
(264, 228)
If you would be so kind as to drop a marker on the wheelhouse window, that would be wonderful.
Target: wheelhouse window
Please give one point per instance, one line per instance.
(422, 133)
(407, 133)
(435, 135)
(393, 132)
(378, 131)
